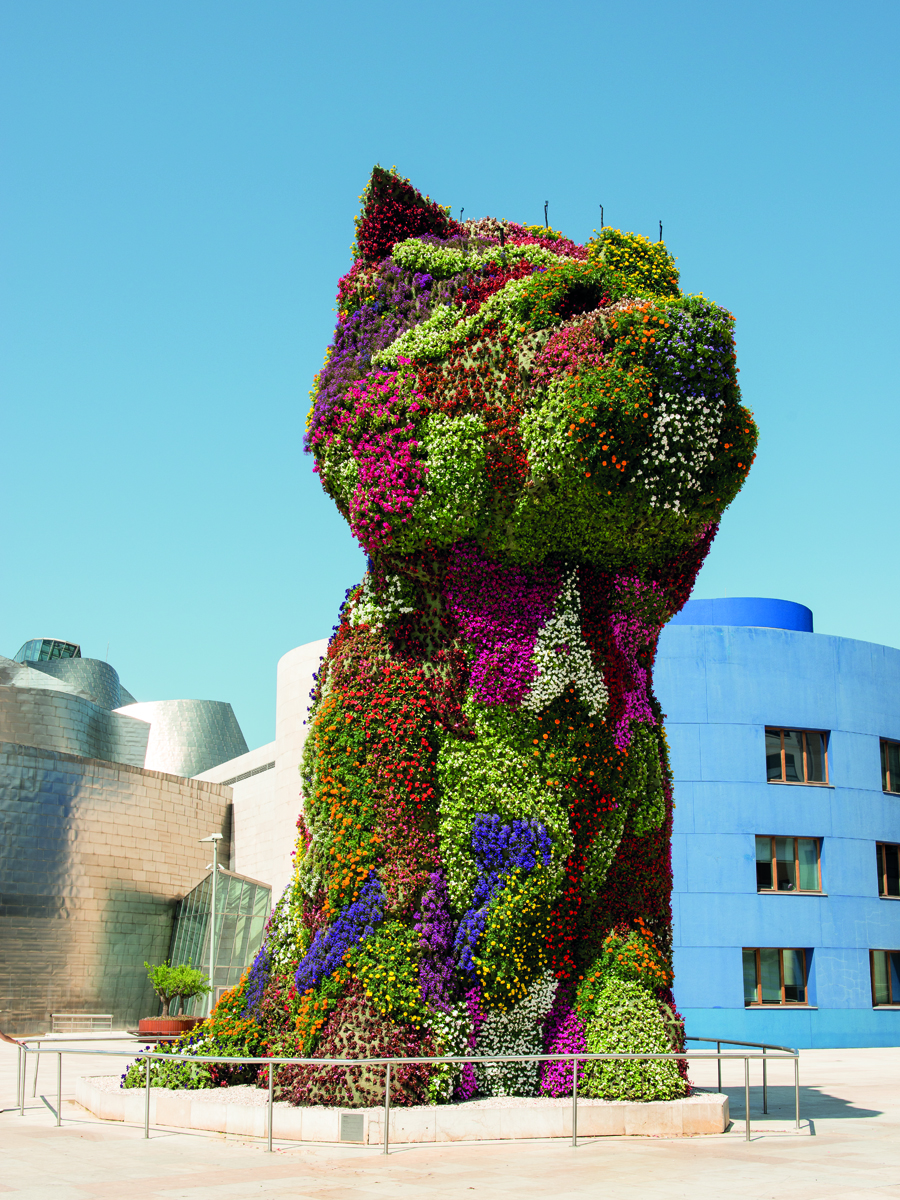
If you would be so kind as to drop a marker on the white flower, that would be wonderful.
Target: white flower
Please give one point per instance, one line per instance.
(563, 657)
(517, 1031)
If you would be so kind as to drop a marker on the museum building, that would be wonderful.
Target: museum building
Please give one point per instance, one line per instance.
(785, 752)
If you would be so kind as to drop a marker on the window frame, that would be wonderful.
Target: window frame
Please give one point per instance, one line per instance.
(880, 847)
(797, 891)
(885, 768)
(782, 1003)
(805, 781)
(894, 1001)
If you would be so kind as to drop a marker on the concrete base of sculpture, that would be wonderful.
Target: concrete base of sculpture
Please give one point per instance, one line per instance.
(242, 1111)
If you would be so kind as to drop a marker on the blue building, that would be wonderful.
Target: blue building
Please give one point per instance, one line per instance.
(785, 750)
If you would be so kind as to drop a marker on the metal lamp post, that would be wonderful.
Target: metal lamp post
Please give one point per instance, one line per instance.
(215, 838)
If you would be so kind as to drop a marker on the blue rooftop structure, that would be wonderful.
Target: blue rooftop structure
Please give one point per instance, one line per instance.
(785, 751)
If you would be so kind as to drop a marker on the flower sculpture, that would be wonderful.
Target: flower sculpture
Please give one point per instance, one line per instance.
(533, 441)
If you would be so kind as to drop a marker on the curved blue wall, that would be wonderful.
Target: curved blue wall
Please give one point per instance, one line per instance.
(746, 610)
(720, 685)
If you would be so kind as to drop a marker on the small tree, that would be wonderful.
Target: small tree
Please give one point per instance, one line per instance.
(161, 980)
(188, 982)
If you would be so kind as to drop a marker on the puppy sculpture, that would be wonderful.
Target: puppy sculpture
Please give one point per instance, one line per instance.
(533, 441)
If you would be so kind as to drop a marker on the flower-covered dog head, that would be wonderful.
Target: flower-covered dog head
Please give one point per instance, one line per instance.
(497, 382)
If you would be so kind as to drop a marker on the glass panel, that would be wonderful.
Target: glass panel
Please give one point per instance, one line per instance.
(793, 756)
(893, 764)
(771, 976)
(880, 977)
(785, 872)
(750, 991)
(773, 754)
(794, 976)
(815, 758)
(894, 958)
(808, 858)
(261, 902)
(763, 864)
(892, 869)
(884, 766)
(879, 863)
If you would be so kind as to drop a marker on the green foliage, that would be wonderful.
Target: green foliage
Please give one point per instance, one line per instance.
(162, 980)
(647, 266)
(498, 773)
(187, 982)
(628, 1020)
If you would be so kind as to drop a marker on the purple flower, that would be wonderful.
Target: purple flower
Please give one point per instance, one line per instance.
(353, 925)
(499, 849)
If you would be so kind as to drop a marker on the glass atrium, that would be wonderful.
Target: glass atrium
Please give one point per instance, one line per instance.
(242, 909)
(46, 649)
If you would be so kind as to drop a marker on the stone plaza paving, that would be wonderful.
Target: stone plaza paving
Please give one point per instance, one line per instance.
(848, 1147)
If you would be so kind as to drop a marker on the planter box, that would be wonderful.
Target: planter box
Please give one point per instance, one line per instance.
(469, 1121)
(167, 1026)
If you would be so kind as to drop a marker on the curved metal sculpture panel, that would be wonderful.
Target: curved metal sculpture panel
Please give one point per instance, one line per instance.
(188, 736)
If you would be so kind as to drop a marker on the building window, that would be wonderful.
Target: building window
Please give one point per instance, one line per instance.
(796, 756)
(888, 857)
(890, 766)
(787, 864)
(885, 976)
(774, 976)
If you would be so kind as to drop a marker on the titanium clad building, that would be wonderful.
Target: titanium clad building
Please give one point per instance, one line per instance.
(99, 832)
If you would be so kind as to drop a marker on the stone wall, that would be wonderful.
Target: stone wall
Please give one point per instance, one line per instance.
(93, 857)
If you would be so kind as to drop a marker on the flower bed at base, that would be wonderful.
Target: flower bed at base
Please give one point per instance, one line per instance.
(533, 443)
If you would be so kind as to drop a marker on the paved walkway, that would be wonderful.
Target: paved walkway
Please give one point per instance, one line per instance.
(848, 1148)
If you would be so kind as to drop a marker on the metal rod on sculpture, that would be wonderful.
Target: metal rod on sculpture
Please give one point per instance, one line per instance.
(387, 1104)
(546, 222)
(601, 216)
(59, 1088)
(271, 1096)
(660, 231)
(747, 1098)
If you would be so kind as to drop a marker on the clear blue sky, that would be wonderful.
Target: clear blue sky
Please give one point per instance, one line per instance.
(179, 186)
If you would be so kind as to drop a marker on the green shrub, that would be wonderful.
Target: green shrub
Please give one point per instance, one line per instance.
(629, 1021)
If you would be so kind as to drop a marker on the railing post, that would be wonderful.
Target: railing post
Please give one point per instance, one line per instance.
(37, 1063)
(387, 1104)
(59, 1088)
(797, 1092)
(24, 1079)
(19, 1075)
(575, 1100)
(719, 1062)
(147, 1100)
(271, 1094)
(765, 1084)
(747, 1097)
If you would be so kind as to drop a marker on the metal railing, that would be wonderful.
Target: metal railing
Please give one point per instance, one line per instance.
(764, 1047)
(782, 1053)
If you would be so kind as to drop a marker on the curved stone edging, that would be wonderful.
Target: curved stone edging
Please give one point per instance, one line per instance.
(471, 1121)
